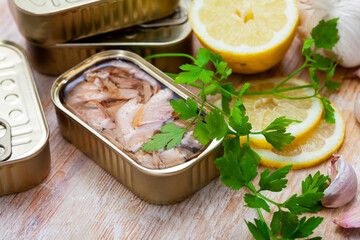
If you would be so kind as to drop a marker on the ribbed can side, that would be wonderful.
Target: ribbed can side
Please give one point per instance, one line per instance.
(157, 189)
(24, 174)
(59, 26)
(94, 148)
(61, 59)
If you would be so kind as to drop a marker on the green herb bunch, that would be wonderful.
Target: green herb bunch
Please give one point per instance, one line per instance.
(239, 164)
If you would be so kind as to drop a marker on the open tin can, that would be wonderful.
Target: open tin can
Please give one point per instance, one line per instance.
(159, 186)
(49, 22)
(171, 34)
(24, 133)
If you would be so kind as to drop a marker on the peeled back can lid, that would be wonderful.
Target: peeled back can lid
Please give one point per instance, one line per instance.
(24, 133)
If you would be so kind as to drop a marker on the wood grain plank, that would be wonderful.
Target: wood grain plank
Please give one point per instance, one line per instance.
(79, 200)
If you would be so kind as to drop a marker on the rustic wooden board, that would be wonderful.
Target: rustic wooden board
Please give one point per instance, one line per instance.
(79, 200)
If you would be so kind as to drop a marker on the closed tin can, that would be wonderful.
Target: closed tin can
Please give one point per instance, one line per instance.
(159, 186)
(49, 22)
(24, 141)
(172, 34)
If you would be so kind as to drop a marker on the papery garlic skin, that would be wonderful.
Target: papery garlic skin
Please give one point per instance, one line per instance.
(357, 107)
(344, 187)
(347, 50)
(350, 219)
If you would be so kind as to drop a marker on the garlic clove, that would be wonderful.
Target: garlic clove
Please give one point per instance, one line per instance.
(343, 185)
(350, 219)
(356, 74)
(357, 107)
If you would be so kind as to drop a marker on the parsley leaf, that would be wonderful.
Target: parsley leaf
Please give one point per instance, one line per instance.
(278, 139)
(318, 182)
(288, 223)
(332, 85)
(255, 202)
(276, 135)
(238, 119)
(186, 110)
(192, 74)
(239, 165)
(275, 181)
(228, 165)
(216, 125)
(306, 50)
(275, 224)
(328, 109)
(243, 89)
(171, 137)
(259, 231)
(224, 70)
(203, 57)
(280, 123)
(307, 202)
(249, 162)
(211, 89)
(216, 59)
(226, 97)
(201, 133)
(221, 66)
(312, 193)
(306, 227)
(314, 78)
(321, 63)
(325, 34)
(331, 72)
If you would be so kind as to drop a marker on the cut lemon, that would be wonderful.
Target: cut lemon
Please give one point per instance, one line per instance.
(263, 109)
(319, 146)
(251, 35)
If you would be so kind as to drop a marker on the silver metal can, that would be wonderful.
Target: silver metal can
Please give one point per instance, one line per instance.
(159, 186)
(24, 141)
(168, 35)
(48, 22)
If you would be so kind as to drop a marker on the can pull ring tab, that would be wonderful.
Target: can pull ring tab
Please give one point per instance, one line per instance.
(5, 141)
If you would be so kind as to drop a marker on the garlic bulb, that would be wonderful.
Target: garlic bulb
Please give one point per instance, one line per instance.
(350, 219)
(344, 183)
(357, 107)
(347, 50)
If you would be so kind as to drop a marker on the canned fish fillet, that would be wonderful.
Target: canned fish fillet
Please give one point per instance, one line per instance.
(49, 22)
(171, 34)
(24, 134)
(130, 99)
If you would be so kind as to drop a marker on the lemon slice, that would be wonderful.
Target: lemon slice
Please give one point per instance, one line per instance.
(263, 109)
(319, 146)
(251, 35)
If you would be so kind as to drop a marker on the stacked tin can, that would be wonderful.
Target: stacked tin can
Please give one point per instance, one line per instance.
(62, 33)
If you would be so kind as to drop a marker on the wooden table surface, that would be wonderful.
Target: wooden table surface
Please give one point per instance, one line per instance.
(79, 200)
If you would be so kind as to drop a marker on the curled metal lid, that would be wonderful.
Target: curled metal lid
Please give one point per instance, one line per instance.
(21, 113)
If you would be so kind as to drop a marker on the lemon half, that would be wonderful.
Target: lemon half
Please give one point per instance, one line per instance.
(251, 35)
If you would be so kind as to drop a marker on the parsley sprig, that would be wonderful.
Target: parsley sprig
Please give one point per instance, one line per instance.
(239, 164)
